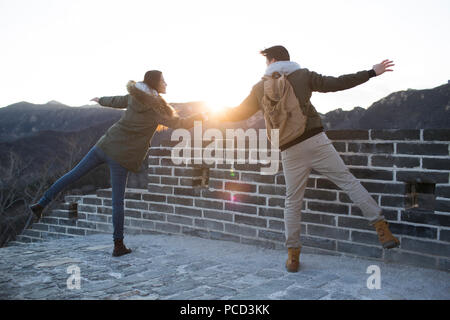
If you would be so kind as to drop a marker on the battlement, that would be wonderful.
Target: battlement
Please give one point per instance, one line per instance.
(406, 171)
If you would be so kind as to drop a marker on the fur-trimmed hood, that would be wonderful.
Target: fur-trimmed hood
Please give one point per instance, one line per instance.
(149, 101)
(282, 67)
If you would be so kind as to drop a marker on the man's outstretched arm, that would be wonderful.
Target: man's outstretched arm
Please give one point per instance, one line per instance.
(245, 110)
(322, 83)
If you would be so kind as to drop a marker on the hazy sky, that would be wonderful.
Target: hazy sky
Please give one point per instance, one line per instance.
(73, 50)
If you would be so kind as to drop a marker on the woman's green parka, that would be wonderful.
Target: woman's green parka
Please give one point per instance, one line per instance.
(128, 140)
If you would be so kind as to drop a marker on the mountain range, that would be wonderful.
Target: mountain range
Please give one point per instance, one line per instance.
(409, 109)
(39, 132)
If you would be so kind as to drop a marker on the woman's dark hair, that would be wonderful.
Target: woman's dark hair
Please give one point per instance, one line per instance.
(278, 53)
(152, 78)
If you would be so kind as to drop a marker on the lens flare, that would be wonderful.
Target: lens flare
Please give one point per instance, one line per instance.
(214, 108)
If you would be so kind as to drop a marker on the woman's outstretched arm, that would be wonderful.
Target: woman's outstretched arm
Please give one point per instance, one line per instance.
(182, 122)
(119, 102)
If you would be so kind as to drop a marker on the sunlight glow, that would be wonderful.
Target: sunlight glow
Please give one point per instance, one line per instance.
(73, 50)
(214, 107)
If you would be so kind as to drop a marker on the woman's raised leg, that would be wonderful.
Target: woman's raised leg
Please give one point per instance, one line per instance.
(91, 160)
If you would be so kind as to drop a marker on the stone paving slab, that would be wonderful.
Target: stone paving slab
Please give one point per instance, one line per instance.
(170, 267)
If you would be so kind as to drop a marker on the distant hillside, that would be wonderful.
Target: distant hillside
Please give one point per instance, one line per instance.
(56, 134)
(40, 132)
(56, 146)
(26, 119)
(410, 109)
(340, 119)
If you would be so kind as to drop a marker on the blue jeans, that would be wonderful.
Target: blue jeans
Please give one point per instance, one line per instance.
(119, 176)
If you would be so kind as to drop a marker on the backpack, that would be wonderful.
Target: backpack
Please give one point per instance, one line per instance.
(282, 109)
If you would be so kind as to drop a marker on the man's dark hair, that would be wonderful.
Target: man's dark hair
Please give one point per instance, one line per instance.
(278, 53)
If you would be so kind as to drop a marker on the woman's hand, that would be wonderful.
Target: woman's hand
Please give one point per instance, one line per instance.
(382, 67)
(95, 99)
(213, 119)
(205, 115)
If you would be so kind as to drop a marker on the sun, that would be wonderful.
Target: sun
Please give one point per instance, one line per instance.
(214, 107)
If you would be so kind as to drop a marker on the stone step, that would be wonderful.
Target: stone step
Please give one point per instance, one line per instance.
(15, 243)
(56, 221)
(55, 235)
(60, 219)
(70, 206)
(61, 213)
(25, 239)
(61, 222)
(104, 193)
(21, 239)
(73, 198)
(91, 200)
(31, 233)
(39, 226)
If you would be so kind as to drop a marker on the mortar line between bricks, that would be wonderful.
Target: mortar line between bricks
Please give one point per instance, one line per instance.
(380, 141)
(60, 233)
(415, 169)
(422, 254)
(367, 230)
(380, 196)
(427, 240)
(306, 223)
(442, 212)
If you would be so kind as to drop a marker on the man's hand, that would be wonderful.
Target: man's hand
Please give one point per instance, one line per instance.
(205, 115)
(95, 99)
(382, 67)
(199, 117)
(212, 119)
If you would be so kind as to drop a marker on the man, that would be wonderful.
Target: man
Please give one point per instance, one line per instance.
(312, 149)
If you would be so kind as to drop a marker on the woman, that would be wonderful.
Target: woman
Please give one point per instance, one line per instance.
(125, 145)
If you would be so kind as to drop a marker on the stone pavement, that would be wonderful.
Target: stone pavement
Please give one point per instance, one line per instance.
(181, 267)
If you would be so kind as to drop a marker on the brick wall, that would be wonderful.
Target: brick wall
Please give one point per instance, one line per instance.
(406, 171)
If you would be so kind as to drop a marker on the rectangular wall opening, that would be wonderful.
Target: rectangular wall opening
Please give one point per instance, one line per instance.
(420, 196)
(201, 180)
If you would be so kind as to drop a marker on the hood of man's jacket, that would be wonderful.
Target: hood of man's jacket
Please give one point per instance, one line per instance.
(282, 67)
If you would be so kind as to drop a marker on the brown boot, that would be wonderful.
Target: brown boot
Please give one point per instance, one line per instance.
(293, 261)
(119, 248)
(385, 236)
(37, 210)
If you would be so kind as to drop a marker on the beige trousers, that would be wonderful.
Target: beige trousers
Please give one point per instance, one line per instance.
(318, 153)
